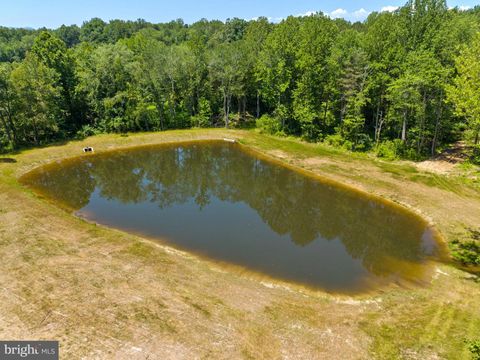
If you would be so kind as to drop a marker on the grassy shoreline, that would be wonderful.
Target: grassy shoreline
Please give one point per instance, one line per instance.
(71, 280)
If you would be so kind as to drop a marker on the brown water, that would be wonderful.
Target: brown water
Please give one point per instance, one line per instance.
(217, 200)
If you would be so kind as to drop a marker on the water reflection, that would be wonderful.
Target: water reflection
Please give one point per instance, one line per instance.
(222, 202)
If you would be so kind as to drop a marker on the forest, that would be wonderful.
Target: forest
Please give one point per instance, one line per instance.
(402, 84)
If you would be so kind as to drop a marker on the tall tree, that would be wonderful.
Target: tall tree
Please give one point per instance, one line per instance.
(36, 101)
(465, 91)
(256, 34)
(316, 35)
(276, 71)
(106, 75)
(8, 105)
(53, 53)
(226, 73)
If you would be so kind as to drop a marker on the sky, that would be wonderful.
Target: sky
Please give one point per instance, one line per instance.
(53, 13)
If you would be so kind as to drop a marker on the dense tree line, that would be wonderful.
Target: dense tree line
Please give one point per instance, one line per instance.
(403, 83)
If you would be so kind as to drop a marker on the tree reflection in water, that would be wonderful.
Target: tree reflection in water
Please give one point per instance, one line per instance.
(223, 202)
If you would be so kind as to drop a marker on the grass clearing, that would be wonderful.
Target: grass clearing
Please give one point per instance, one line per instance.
(107, 294)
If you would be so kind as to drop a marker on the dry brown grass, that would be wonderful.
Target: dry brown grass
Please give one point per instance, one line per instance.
(109, 295)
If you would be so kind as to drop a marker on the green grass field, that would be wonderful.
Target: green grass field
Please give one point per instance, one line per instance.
(108, 294)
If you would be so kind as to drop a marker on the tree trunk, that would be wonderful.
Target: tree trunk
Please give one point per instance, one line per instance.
(226, 107)
(229, 101)
(378, 119)
(343, 109)
(422, 125)
(162, 124)
(239, 107)
(325, 112)
(173, 111)
(197, 101)
(258, 104)
(158, 105)
(435, 135)
(280, 103)
(13, 130)
(244, 104)
(9, 121)
(437, 125)
(7, 130)
(35, 133)
(378, 130)
(404, 126)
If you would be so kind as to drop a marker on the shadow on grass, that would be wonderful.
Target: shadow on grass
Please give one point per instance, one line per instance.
(7, 160)
(20, 149)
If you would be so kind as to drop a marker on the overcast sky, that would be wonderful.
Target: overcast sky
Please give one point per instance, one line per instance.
(53, 13)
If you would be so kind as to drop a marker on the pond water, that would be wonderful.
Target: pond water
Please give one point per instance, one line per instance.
(220, 201)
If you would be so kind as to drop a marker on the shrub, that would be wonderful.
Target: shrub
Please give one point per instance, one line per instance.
(474, 347)
(363, 142)
(5, 145)
(145, 116)
(476, 155)
(268, 124)
(412, 154)
(466, 252)
(203, 118)
(338, 141)
(334, 140)
(310, 132)
(87, 130)
(390, 150)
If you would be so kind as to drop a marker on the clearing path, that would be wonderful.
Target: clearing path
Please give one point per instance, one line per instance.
(447, 160)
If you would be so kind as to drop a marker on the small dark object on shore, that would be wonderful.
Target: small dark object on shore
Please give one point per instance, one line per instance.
(88, 149)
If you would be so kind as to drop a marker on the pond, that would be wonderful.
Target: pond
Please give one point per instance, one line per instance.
(221, 201)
